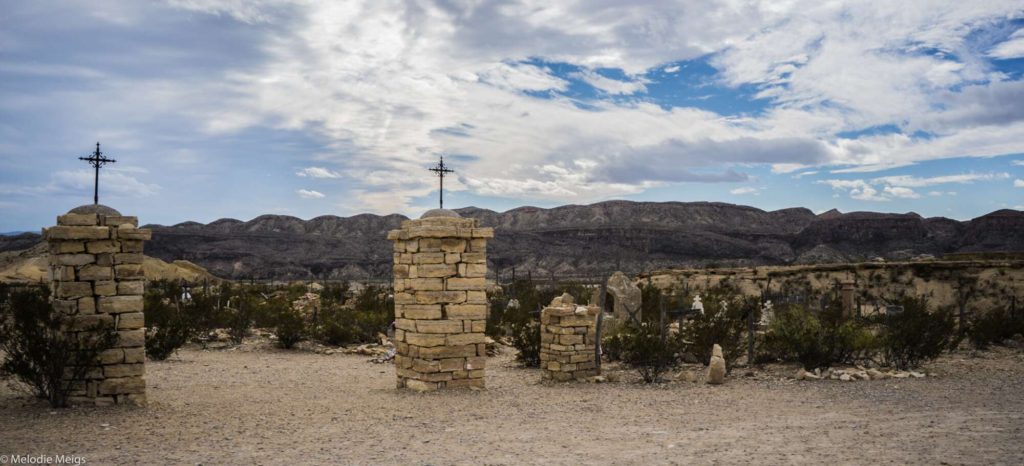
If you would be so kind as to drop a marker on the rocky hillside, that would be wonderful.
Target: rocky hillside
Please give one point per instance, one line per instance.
(582, 240)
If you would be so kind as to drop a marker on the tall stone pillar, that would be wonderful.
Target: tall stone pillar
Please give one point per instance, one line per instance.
(846, 292)
(440, 301)
(96, 279)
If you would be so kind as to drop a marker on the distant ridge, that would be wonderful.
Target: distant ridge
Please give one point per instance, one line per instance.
(581, 240)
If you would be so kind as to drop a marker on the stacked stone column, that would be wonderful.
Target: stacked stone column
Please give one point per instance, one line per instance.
(440, 264)
(97, 281)
(567, 340)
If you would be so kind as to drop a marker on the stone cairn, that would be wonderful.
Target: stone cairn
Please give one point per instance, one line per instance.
(96, 279)
(567, 340)
(440, 301)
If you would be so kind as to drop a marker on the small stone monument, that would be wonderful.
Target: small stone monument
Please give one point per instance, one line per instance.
(96, 279)
(698, 305)
(567, 340)
(716, 370)
(440, 265)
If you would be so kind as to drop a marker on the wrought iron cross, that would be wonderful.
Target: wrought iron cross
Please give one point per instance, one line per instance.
(97, 160)
(441, 170)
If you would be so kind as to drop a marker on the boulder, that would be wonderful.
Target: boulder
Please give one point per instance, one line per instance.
(626, 296)
(716, 370)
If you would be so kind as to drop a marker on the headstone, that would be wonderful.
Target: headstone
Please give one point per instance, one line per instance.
(627, 297)
(96, 276)
(440, 268)
(698, 305)
(716, 370)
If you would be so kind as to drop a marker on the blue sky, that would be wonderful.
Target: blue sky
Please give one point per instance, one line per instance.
(219, 108)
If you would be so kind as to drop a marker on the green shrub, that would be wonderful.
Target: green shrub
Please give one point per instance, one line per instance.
(371, 312)
(723, 322)
(648, 348)
(817, 338)
(915, 335)
(291, 326)
(38, 352)
(994, 327)
(614, 339)
(168, 326)
(526, 339)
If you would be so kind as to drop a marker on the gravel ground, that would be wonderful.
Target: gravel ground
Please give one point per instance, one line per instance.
(256, 405)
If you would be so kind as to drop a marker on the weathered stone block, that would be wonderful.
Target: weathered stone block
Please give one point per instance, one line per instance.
(87, 305)
(73, 290)
(441, 297)
(116, 221)
(102, 246)
(453, 364)
(132, 233)
(79, 233)
(77, 220)
(131, 288)
(441, 352)
(89, 322)
(438, 326)
(123, 385)
(131, 245)
(424, 284)
(421, 311)
(466, 283)
(131, 338)
(424, 339)
(66, 247)
(428, 258)
(465, 339)
(436, 270)
(94, 272)
(467, 311)
(130, 321)
(124, 370)
(105, 288)
(453, 245)
(134, 355)
(72, 259)
(111, 356)
(128, 271)
(127, 258)
(120, 304)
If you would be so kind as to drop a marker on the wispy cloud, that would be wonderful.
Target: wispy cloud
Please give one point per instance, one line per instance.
(318, 172)
(1018, 183)
(746, 190)
(310, 194)
(900, 186)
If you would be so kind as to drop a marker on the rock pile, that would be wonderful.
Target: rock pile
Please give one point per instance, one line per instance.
(97, 280)
(440, 264)
(568, 340)
(856, 373)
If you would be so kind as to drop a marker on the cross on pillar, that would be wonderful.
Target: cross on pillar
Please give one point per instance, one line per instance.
(441, 170)
(97, 160)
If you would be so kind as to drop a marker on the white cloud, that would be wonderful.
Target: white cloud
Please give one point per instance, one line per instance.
(900, 192)
(1017, 163)
(746, 190)
(672, 69)
(310, 194)
(318, 172)
(1011, 48)
(900, 187)
(611, 86)
(917, 182)
(1018, 183)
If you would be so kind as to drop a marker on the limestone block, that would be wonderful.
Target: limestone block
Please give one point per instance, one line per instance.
(466, 311)
(428, 258)
(429, 245)
(122, 385)
(77, 220)
(466, 283)
(436, 270)
(132, 233)
(73, 290)
(88, 322)
(127, 258)
(438, 326)
(87, 305)
(78, 232)
(130, 321)
(478, 245)
(421, 311)
(105, 259)
(483, 233)
(111, 356)
(72, 259)
(66, 306)
(131, 245)
(424, 284)
(404, 298)
(401, 271)
(116, 221)
(441, 352)
(453, 245)
(66, 247)
(425, 339)
(474, 258)
(105, 288)
(441, 297)
(94, 272)
(102, 246)
(128, 271)
(465, 339)
(131, 338)
(476, 297)
(452, 364)
(120, 304)
(134, 355)
(131, 288)
(408, 325)
(124, 370)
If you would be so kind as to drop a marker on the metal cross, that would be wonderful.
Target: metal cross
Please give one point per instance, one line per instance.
(97, 160)
(441, 170)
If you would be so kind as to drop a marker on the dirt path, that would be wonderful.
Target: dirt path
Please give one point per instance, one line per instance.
(276, 407)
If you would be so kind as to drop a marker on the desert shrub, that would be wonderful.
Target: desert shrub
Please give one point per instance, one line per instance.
(38, 352)
(291, 326)
(526, 338)
(648, 348)
(168, 326)
(817, 338)
(614, 339)
(723, 322)
(370, 313)
(993, 327)
(915, 335)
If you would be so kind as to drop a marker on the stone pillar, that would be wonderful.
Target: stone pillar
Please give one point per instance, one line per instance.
(567, 340)
(440, 301)
(846, 292)
(96, 279)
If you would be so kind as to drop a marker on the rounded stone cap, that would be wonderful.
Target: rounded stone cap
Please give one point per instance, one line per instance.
(95, 209)
(440, 213)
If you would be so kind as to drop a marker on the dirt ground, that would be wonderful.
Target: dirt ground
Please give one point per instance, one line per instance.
(265, 406)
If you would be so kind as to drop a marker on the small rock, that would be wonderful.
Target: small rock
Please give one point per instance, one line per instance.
(801, 374)
(598, 379)
(686, 376)
(876, 374)
(845, 377)
(917, 375)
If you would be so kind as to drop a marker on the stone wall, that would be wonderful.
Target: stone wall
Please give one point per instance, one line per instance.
(96, 280)
(567, 340)
(440, 264)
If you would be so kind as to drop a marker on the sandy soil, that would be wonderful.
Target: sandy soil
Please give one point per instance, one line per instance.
(260, 406)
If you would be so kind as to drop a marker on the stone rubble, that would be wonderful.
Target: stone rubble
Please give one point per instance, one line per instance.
(568, 340)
